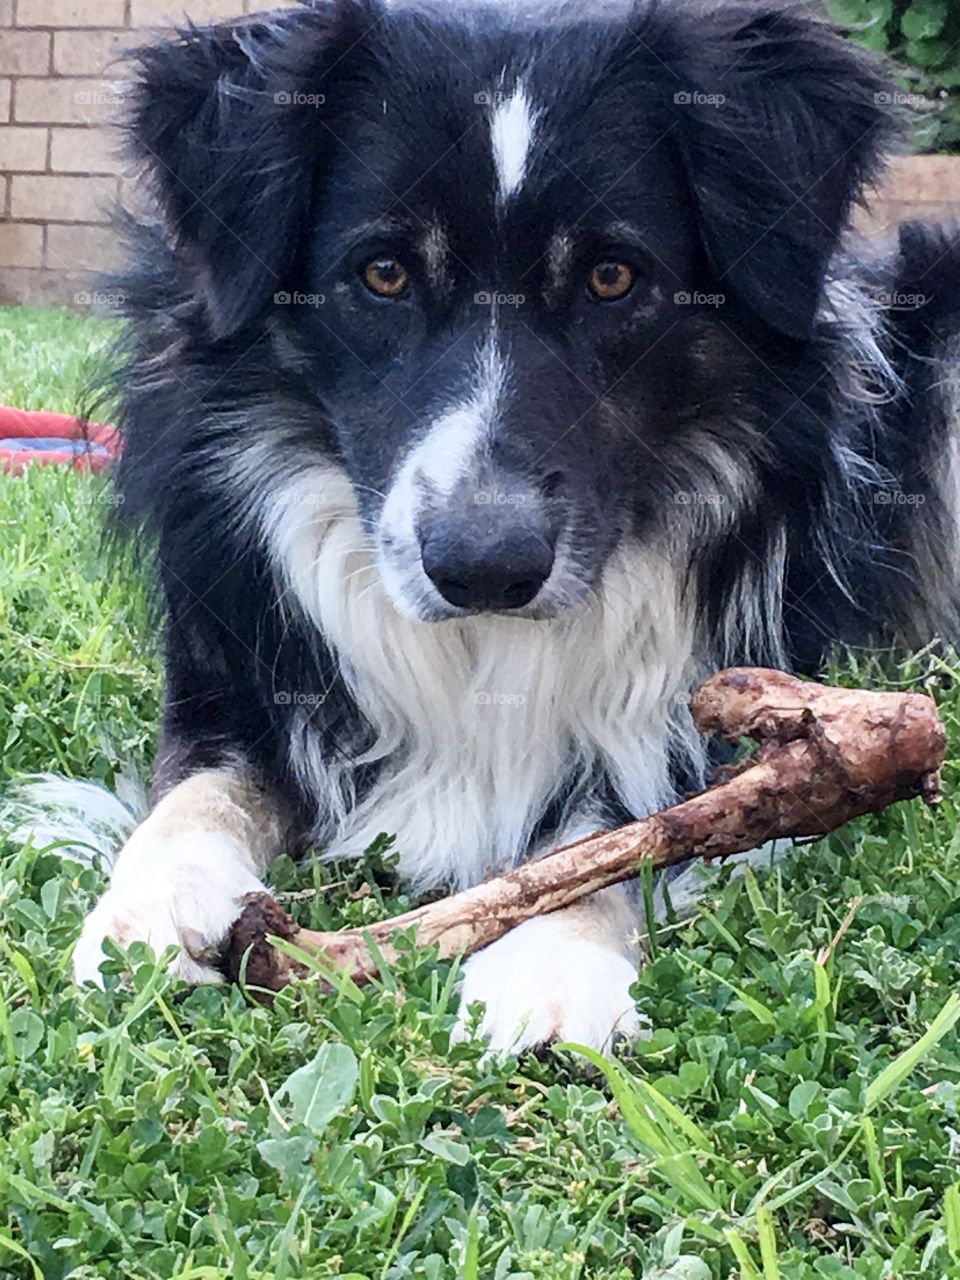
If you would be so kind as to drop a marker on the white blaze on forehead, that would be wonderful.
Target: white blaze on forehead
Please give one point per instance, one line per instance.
(512, 129)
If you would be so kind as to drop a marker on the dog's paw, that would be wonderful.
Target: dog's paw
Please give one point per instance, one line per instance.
(544, 982)
(185, 893)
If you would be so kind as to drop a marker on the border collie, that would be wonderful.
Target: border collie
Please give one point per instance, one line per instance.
(492, 377)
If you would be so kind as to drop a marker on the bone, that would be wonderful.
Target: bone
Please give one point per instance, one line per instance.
(825, 756)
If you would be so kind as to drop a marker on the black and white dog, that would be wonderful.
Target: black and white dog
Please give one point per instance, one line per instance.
(492, 378)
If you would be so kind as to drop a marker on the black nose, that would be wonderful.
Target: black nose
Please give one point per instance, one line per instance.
(497, 570)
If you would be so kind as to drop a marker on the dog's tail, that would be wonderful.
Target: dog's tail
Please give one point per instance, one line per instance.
(84, 820)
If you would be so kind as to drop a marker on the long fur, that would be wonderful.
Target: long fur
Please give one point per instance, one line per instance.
(739, 504)
(752, 457)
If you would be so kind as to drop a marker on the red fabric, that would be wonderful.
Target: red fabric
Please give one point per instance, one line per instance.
(26, 424)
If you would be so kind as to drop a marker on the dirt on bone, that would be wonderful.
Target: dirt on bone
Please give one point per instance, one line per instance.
(826, 755)
(250, 957)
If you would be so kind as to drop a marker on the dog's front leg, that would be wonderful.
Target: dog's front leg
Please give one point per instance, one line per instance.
(563, 976)
(179, 879)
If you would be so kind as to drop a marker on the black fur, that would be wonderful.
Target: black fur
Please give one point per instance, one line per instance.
(773, 403)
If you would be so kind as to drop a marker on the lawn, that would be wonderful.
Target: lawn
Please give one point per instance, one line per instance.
(793, 1115)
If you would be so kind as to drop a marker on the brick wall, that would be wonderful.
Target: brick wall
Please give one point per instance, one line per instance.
(59, 174)
(916, 187)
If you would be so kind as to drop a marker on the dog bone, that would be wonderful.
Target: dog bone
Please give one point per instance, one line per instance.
(825, 755)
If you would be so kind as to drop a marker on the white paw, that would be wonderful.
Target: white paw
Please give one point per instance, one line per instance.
(543, 982)
(184, 893)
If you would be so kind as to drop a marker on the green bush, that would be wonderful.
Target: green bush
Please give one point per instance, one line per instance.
(923, 39)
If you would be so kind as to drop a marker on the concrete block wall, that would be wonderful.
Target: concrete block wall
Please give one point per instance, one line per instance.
(60, 85)
(925, 187)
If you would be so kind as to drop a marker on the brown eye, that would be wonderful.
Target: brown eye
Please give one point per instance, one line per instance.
(610, 280)
(386, 277)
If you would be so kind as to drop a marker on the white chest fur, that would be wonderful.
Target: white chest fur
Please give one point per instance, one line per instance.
(479, 722)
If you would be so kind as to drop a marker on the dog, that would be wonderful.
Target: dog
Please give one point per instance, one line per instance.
(492, 378)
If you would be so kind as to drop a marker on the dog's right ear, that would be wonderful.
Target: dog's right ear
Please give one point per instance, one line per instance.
(780, 123)
(219, 126)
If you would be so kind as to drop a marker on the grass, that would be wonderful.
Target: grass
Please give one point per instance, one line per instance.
(792, 1117)
(48, 357)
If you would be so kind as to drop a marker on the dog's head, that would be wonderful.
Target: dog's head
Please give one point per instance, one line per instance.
(529, 275)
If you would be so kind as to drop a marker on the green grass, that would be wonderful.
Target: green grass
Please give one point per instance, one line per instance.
(793, 1116)
(48, 357)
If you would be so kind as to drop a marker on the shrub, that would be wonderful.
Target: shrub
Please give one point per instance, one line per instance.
(923, 39)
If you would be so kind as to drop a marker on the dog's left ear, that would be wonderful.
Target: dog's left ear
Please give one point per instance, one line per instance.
(780, 122)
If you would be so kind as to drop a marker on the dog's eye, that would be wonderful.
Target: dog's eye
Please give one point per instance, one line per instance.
(610, 280)
(386, 277)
